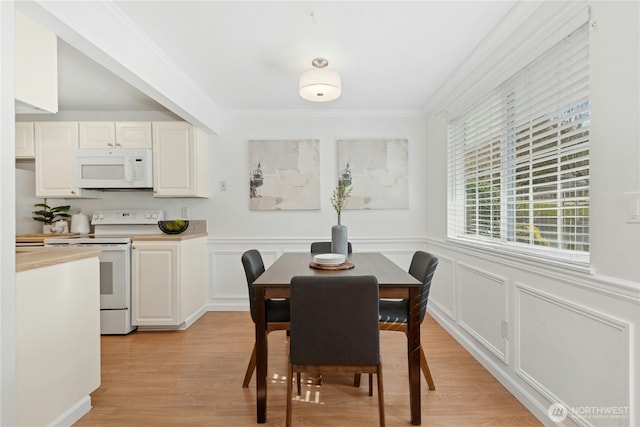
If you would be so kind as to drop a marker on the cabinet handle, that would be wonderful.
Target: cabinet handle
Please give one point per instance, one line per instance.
(73, 192)
(118, 145)
(109, 144)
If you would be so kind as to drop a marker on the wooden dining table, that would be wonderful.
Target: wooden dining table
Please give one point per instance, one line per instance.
(394, 282)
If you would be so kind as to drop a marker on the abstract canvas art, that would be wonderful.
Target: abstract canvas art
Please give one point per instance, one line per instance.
(378, 172)
(284, 174)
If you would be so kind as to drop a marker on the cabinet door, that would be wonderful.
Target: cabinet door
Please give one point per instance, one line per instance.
(25, 148)
(154, 287)
(55, 146)
(97, 135)
(133, 134)
(36, 65)
(173, 157)
(180, 160)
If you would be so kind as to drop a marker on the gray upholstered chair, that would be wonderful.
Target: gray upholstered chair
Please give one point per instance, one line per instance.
(277, 311)
(325, 247)
(393, 313)
(334, 328)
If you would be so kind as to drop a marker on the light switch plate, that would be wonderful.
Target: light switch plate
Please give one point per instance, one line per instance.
(632, 207)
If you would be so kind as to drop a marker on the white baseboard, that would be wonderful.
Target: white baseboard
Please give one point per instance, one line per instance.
(73, 414)
(500, 374)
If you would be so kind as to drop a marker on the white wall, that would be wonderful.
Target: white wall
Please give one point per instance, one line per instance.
(230, 212)
(572, 336)
(7, 218)
(233, 228)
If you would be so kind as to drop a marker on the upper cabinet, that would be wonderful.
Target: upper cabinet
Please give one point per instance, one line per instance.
(25, 148)
(115, 135)
(55, 151)
(180, 160)
(36, 74)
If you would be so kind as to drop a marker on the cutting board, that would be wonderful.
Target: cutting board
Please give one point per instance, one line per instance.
(39, 237)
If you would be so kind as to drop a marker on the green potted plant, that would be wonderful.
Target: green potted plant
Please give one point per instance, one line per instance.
(49, 215)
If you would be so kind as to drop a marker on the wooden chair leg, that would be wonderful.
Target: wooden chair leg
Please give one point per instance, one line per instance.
(425, 370)
(356, 380)
(380, 396)
(250, 368)
(370, 384)
(289, 387)
(298, 383)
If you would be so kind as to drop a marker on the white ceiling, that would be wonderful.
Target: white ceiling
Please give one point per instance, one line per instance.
(392, 55)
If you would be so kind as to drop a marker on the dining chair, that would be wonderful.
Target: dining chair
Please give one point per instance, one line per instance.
(276, 310)
(325, 247)
(334, 328)
(393, 313)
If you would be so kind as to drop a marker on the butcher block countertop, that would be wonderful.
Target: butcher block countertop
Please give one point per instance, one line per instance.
(39, 237)
(28, 258)
(162, 237)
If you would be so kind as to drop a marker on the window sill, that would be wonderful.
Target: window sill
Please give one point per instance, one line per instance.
(509, 255)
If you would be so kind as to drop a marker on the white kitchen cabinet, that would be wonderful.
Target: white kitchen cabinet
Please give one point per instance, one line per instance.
(180, 160)
(168, 282)
(115, 135)
(25, 147)
(55, 147)
(36, 76)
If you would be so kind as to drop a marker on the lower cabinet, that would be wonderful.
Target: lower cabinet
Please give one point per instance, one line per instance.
(168, 282)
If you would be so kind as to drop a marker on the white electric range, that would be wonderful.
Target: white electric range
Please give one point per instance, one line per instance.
(113, 230)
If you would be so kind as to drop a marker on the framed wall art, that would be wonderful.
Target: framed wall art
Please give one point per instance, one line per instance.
(378, 172)
(284, 174)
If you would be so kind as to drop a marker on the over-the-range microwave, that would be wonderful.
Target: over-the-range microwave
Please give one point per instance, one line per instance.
(114, 168)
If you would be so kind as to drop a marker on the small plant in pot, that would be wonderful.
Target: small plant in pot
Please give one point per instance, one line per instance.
(49, 215)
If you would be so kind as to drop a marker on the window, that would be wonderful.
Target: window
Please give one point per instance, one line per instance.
(518, 160)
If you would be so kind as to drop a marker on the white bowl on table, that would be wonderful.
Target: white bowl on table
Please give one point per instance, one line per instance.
(329, 259)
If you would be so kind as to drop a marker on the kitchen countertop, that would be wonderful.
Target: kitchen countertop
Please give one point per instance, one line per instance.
(167, 237)
(28, 258)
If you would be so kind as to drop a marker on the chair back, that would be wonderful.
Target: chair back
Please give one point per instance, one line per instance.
(325, 247)
(423, 266)
(334, 321)
(253, 268)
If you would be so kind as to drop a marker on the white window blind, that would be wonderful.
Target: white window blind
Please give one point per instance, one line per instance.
(518, 160)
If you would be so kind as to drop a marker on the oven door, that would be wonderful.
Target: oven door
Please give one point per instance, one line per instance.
(115, 276)
(115, 273)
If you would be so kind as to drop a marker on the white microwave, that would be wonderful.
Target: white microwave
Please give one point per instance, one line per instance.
(116, 169)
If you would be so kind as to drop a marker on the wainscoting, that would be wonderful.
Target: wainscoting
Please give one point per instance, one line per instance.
(549, 335)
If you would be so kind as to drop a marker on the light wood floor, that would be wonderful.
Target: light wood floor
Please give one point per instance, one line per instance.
(194, 377)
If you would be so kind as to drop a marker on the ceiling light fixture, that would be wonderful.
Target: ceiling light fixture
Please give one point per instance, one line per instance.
(319, 84)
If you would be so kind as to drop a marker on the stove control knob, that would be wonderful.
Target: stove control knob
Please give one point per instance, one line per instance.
(101, 216)
(148, 216)
(155, 216)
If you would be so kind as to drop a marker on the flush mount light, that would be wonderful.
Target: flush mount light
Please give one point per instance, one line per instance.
(320, 84)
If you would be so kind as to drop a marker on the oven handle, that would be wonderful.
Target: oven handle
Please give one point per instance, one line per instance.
(101, 247)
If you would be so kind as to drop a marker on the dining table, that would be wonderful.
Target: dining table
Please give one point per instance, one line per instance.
(393, 281)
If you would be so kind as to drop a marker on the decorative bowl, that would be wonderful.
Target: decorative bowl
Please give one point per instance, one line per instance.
(174, 226)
